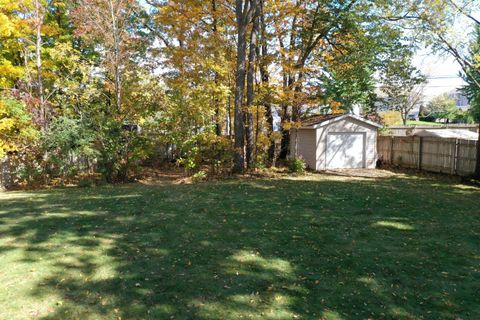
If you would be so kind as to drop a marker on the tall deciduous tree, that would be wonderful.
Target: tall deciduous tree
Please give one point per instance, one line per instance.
(266, 89)
(472, 76)
(442, 107)
(196, 49)
(252, 61)
(403, 85)
(244, 11)
(38, 19)
(307, 30)
(110, 25)
(30, 32)
(12, 58)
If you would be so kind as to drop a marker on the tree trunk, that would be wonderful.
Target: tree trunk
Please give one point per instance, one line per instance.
(272, 149)
(477, 163)
(216, 104)
(38, 46)
(296, 103)
(250, 86)
(265, 78)
(288, 82)
(116, 57)
(229, 117)
(404, 118)
(242, 21)
(287, 117)
(285, 145)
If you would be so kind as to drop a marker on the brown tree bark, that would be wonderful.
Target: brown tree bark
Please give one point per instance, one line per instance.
(116, 56)
(287, 116)
(243, 14)
(250, 85)
(288, 81)
(218, 120)
(477, 163)
(265, 79)
(39, 15)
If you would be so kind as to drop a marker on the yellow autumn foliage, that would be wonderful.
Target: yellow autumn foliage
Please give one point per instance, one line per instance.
(16, 129)
(9, 73)
(336, 107)
(6, 26)
(391, 117)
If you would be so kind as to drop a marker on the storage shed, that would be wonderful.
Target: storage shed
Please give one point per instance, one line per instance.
(336, 142)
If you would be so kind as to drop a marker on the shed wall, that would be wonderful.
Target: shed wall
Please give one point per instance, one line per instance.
(306, 146)
(347, 125)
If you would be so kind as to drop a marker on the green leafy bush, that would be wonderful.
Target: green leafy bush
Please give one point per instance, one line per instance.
(199, 176)
(64, 150)
(121, 151)
(27, 168)
(69, 148)
(17, 130)
(206, 149)
(296, 165)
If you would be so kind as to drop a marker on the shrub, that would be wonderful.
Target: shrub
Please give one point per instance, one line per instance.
(391, 117)
(121, 151)
(17, 130)
(199, 176)
(209, 150)
(296, 165)
(464, 117)
(260, 165)
(69, 148)
(27, 168)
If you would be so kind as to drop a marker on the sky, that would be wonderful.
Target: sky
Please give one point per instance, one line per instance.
(442, 73)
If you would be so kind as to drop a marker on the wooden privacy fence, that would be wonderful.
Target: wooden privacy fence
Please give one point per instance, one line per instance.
(452, 156)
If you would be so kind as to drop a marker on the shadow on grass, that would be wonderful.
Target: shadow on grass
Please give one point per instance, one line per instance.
(400, 248)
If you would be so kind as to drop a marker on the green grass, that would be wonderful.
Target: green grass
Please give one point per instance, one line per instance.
(314, 247)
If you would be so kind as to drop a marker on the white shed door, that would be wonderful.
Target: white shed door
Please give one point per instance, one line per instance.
(345, 150)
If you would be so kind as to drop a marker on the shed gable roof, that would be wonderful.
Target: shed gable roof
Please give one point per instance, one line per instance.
(324, 120)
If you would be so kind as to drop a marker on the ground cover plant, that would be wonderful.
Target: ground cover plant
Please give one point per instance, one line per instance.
(309, 247)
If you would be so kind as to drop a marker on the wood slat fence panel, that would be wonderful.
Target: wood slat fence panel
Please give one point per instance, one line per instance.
(452, 156)
(466, 158)
(405, 152)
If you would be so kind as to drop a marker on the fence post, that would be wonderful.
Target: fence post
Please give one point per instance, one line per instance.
(391, 150)
(455, 158)
(420, 153)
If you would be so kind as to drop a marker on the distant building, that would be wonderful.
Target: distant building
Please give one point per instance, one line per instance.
(460, 99)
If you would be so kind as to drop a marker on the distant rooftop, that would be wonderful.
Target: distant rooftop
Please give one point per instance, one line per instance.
(449, 133)
(313, 120)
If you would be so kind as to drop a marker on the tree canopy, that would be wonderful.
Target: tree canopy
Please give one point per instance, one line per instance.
(124, 78)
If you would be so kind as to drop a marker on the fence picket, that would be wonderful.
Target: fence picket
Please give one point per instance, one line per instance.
(453, 156)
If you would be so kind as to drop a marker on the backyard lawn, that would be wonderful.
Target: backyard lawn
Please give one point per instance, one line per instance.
(392, 246)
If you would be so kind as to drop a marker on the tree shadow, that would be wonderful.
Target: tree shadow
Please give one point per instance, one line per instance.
(261, 249)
